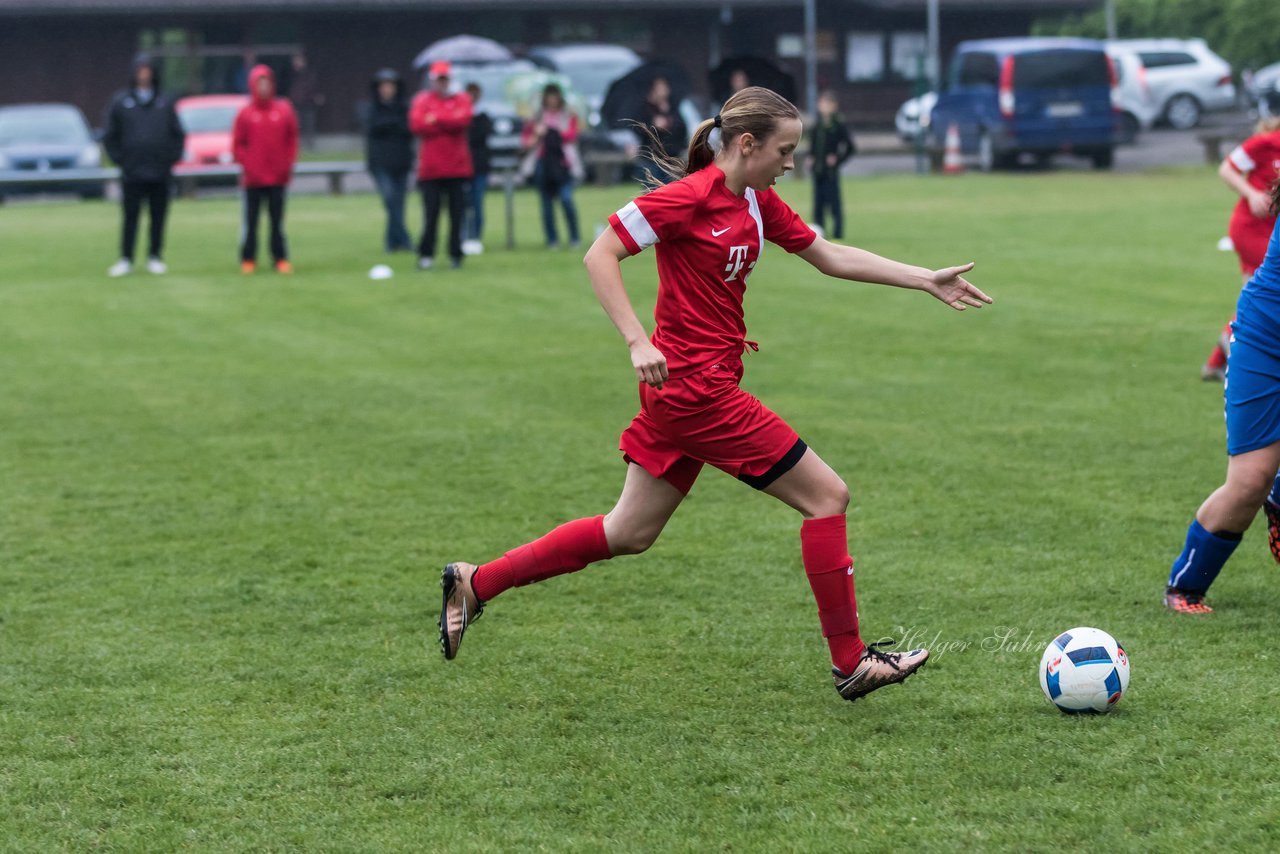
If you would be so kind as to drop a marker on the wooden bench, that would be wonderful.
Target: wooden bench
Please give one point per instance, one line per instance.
(1215, 140)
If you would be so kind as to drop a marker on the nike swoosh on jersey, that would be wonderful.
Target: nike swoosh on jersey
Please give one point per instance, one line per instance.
(715, 233)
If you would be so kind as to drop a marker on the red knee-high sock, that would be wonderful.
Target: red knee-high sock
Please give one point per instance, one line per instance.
(825, 551)
(1218, 358)
(566, 549)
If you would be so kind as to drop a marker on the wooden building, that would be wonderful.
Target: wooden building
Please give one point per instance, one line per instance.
(79, 51)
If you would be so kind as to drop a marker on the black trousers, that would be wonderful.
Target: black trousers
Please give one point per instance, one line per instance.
(157, 195)
(252, 204)
(826, 197)
(455, 190)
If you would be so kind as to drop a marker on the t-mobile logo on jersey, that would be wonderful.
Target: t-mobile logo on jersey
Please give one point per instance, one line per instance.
(737, 260)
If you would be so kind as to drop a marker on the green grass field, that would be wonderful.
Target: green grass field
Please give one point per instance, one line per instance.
(225, 502)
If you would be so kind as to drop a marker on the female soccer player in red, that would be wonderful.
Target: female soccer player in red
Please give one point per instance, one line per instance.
(1250, 169)
(709, 228)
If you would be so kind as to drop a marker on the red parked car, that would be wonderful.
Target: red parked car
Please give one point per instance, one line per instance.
(207, 119)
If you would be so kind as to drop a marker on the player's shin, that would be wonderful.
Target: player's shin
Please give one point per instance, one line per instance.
(825, 551)
(568, 548)
(1203, 556)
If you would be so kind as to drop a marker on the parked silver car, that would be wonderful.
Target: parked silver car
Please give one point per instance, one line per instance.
(1131, 96)
(589, 67)
(1186, 79)
(43, 138)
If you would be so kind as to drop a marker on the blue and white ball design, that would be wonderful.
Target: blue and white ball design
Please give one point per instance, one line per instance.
(1084, 670)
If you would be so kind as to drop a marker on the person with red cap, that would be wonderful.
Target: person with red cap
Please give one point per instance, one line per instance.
(440, 119)
(264, 140)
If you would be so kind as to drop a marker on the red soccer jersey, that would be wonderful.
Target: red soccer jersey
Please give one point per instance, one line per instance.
(708, 242)
(1258, 158)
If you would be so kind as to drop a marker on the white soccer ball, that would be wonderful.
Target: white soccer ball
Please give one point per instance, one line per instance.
(380, 272)
(1084, 670)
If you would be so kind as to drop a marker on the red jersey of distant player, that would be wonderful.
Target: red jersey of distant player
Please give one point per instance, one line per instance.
(1258, 159)
(708, 241)
(264, 137)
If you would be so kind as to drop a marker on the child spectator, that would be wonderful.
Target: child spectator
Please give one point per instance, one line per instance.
(829, 147)
(478, 143)
(264, 140)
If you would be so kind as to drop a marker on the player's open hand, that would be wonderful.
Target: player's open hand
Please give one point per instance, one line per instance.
(650, 365)
(950, 286)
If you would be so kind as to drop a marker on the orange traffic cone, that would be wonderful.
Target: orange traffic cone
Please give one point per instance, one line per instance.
(952, 162)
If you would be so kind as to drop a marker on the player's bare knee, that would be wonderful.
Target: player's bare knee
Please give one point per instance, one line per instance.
(1252, 485)
(633, 542)
(833, 500)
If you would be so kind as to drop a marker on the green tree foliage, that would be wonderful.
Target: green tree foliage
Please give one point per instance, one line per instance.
(1244, 32)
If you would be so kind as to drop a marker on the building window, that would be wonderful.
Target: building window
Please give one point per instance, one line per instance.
(909, 56)
(864, 57)
(790, 46)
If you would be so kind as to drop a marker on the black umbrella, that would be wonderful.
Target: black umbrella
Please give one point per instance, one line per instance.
(473, 49)
(624, 102)
(759, 71)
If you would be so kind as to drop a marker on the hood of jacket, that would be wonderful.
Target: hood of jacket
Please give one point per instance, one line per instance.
(384, 75)
(257, 73)
(144, 60)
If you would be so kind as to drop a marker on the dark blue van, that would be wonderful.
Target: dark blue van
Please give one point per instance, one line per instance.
(1035, 96)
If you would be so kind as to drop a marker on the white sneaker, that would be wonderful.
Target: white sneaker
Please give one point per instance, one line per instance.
(425, 263)
(472, 247)
(123, 267)
(156, 267)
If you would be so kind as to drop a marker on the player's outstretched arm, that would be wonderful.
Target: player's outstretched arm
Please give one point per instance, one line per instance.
(604, 267)
(948, 285)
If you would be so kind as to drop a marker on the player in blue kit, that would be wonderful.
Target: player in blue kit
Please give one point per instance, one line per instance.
(1253, 441)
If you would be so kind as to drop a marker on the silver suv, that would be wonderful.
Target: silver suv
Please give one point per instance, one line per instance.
(1185, 78)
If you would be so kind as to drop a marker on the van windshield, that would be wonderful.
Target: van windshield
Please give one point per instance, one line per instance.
(1058, 68)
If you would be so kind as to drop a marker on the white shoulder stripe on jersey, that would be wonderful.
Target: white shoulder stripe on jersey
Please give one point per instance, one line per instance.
(753, 206)
(1241, 159)
(637, 226)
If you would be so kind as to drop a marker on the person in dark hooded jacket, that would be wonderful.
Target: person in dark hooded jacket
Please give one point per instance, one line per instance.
(264, 140)
(144, 137)
(389, 152)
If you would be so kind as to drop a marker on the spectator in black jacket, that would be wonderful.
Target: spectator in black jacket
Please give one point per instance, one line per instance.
(478, 141)
(145, 139)
(829, 147)
(667, 135)
(389, 152)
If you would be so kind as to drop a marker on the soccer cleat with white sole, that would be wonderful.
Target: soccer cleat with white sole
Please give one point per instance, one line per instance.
(878, 669)
(123, 267)
(460, 607)
(156, 267)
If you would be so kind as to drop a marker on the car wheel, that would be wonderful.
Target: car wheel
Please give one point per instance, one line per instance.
(1182, 112)
(986, 152)
(1103, 158)
(1127, 129)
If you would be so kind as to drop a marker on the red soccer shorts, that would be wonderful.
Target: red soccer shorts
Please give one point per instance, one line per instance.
(706, 418)
(1250, 236)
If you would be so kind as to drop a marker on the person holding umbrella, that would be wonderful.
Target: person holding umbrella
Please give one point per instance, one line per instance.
(667, 132)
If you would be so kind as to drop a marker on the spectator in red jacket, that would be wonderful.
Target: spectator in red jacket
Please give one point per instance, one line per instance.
(440, 119)
(264, 140)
